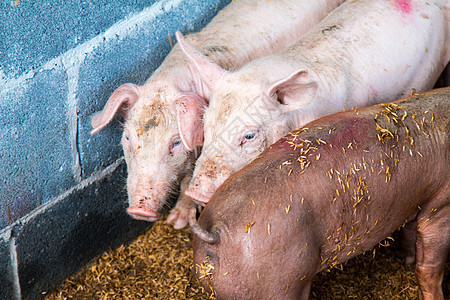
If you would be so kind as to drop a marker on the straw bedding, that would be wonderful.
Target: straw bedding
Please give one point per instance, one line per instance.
(159, 265)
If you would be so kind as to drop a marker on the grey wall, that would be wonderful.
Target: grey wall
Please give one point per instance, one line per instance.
(61, 190)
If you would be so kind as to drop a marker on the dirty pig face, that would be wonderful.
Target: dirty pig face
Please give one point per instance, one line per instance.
(156, 159)
(249, 109)
(237, 126)
(237, 129)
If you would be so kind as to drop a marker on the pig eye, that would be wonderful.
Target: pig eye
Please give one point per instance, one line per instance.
(250, 136)
(176, 142)
(126, 140)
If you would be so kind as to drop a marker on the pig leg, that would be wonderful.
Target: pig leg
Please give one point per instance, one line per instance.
(406, 249)
(304, 294)
(433, 245)
(179, 214)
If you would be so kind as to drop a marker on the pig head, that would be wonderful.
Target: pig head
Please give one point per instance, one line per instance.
(156, 158)
(239, 125)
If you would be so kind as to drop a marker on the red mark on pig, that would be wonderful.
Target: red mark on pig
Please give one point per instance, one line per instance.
(405, 6)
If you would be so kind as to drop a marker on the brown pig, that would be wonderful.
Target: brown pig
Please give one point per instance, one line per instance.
(328, 192)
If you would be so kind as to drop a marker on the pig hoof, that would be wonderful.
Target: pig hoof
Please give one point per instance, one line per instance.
(406, 258)
(178, 217)
(409, 260)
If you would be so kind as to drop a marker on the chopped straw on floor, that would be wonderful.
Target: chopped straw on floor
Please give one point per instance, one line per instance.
(159, 265)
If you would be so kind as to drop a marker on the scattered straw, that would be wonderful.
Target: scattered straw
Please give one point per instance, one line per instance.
(159, 265)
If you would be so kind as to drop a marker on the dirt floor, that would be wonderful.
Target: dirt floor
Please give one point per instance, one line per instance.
(159, 265)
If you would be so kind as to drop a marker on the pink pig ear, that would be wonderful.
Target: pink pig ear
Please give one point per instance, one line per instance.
(209, 70)
(190, 109)
(120, 102)
(295, 91)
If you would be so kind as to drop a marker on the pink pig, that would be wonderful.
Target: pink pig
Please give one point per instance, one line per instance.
(158, 162)
(362, 53)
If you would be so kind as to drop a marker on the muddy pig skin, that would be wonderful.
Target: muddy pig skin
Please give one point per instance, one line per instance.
(363, 53)
(327, 192)
(157, 159)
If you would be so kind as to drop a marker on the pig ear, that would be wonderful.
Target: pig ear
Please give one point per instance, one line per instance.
(209, 70)
(190, 109)
(120, 102)
(295, 91)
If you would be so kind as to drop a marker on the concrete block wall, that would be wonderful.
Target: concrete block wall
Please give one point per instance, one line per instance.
(62, 194)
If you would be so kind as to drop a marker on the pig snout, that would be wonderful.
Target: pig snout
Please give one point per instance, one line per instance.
(141, 213)
(199, 193)
(202, 187)
(143, 208)
(146, 203)
(211, 175)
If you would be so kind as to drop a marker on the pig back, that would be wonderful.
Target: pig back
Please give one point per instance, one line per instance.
(324, 193)
(363, 172)
(392, 151)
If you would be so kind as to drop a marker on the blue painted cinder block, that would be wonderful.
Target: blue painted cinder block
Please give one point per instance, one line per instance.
(35, 149)
(81, 226)
(6, 271)
(34, 32)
